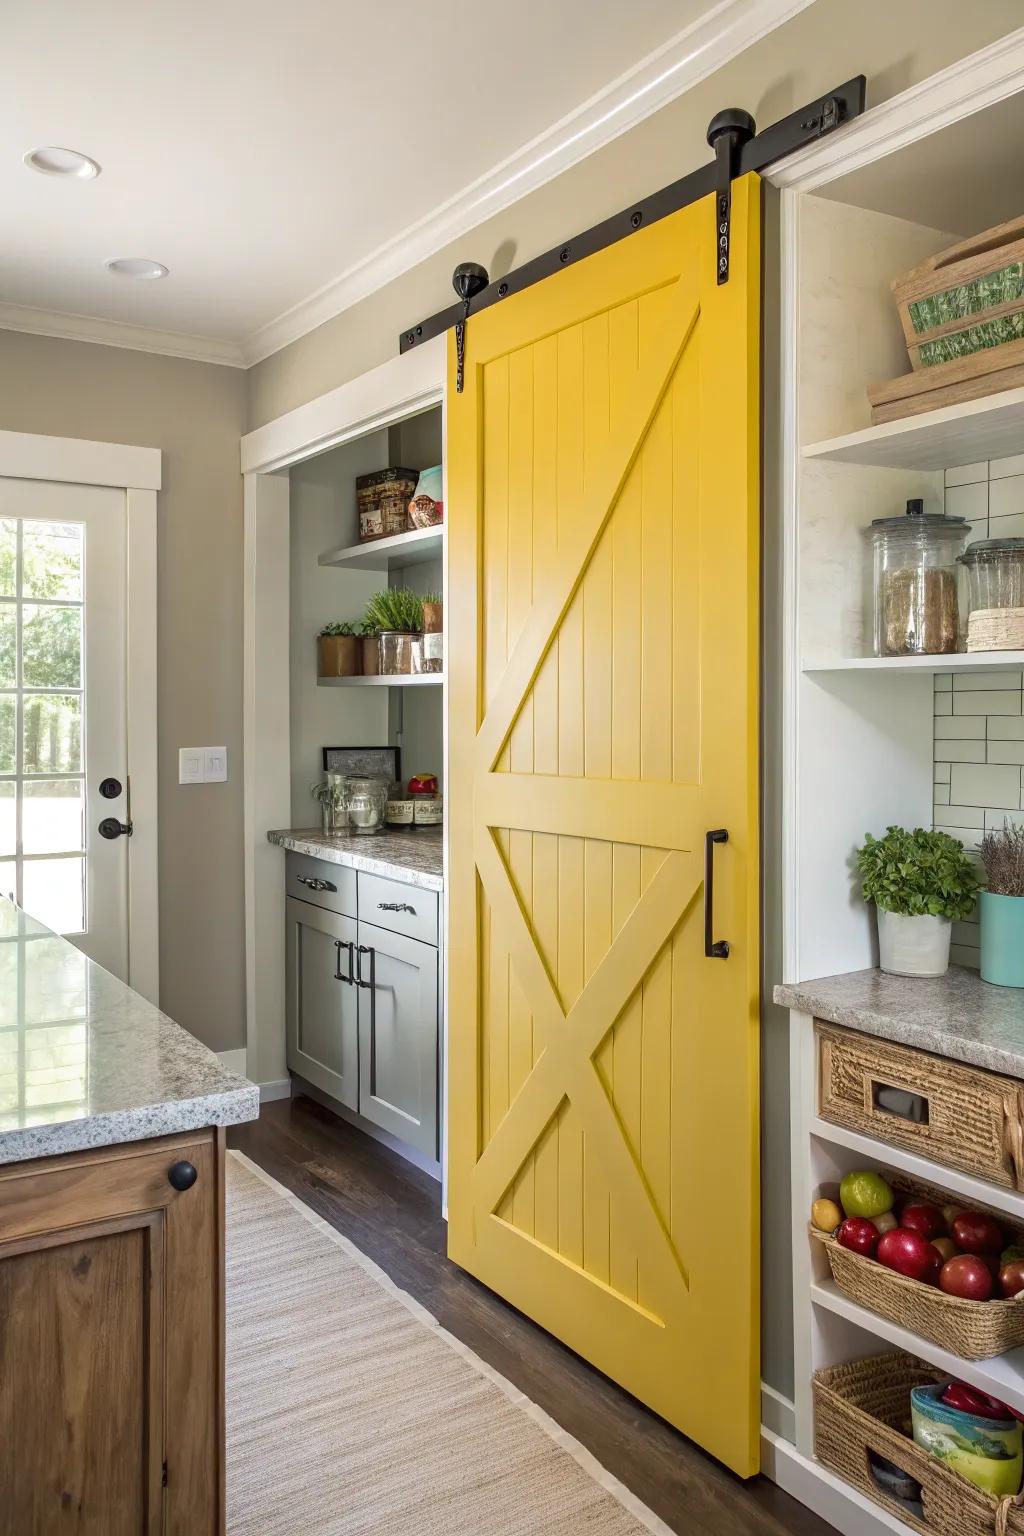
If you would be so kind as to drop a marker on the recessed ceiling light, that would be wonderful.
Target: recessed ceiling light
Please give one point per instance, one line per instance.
(52, 161)
(136, 266)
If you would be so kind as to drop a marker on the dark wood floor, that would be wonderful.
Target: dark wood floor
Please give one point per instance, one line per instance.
(390, 1210)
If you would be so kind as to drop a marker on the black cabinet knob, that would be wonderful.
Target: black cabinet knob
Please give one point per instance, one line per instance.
(182, 1176)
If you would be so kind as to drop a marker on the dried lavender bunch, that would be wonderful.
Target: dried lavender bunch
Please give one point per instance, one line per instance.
(1002, 854)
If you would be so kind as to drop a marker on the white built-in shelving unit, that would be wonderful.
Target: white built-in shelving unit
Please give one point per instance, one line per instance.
(388, 680)
(416, 547)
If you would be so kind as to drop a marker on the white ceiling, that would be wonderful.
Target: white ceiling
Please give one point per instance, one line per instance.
(263, 149)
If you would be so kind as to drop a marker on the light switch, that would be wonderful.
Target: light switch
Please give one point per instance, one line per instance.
(190, 765)
(216, 764)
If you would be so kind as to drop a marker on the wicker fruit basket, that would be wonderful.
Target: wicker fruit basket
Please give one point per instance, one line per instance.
(861, 1409)
(974, 1330)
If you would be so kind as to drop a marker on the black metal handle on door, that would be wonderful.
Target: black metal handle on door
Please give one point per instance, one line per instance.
(110, 827)
(182, 1176)
(364, 949)
(713, 949)
(339, 945)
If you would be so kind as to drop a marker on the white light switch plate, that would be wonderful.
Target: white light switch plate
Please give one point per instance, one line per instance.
(190, 765)
(216, 764)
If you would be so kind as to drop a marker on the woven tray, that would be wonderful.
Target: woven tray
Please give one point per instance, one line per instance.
(864, 1406)
(974, 1330)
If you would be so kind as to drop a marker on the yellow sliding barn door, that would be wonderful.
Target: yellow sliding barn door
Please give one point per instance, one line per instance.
(603, 686)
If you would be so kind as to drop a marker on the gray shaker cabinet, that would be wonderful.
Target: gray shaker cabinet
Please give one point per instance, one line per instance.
(322, 1002)
(398, 1078)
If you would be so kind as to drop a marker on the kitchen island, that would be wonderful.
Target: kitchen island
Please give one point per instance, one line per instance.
(111, 1251)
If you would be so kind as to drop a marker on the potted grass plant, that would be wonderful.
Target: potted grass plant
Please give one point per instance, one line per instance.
(397, 613)
(338, 651)
(920, 882)
(1002, 907)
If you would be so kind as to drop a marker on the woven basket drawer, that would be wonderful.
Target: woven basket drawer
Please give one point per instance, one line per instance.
(864, 1406)
(951, 1113)
(974, 1330)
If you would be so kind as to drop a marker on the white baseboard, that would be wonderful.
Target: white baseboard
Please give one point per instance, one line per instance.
(281, 1089)
(233, 1060)
(778, 1413)
(829, 1497)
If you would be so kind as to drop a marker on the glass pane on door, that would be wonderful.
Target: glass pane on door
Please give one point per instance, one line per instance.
(42, 719)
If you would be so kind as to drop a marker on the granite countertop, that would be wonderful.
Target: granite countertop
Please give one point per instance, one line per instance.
(398, 853)
(957, 1015)
(87, 1062)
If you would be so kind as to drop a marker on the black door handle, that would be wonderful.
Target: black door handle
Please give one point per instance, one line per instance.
(182, 1176)
(713, 949)
(364, 949)
(110, 827)
(339, 945)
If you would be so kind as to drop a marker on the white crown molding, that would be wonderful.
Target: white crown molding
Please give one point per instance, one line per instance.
(967, 86)
(725, 31)
(113, 333)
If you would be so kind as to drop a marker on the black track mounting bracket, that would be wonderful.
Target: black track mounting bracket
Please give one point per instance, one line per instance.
(738, 150)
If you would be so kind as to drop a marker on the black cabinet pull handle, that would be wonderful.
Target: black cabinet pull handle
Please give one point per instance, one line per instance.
(315, 884)
(339, 945)
(182, 1176)
(364, 949)
(714, 949)
(395, 906)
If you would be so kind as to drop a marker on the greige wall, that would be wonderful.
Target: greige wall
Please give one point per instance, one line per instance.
(894, 45)
(195, 412)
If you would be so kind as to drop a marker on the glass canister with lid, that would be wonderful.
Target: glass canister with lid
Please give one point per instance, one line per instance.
(995, 594)
(916, 581)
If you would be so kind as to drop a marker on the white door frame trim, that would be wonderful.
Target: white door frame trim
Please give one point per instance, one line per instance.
(392, 392)
(136, 471)
(967, 86)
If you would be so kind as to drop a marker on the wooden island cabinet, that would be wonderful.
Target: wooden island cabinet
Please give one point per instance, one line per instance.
(112, 1287)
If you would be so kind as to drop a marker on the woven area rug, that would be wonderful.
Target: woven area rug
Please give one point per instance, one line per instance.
(350, 1410)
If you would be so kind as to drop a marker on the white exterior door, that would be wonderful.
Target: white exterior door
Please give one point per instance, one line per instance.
(63, 724)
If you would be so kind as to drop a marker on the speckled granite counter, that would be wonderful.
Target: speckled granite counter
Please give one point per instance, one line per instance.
(87, 1062)
(417, 857)
(957, 1015)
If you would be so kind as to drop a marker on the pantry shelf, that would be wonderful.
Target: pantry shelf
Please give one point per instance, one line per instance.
(968, 661)
(1002, 1377)
(413, 548)
(391, 680)
(990, 428)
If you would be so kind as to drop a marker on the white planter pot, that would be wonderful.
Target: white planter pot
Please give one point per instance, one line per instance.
(913, 946)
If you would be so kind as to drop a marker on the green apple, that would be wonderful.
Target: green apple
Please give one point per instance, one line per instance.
(865, 1193)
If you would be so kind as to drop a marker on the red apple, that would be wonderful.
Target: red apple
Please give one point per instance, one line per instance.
(976, 1233)
(925, 1219)
(1011, 1278)
(935, 1263)
(859, 1234)
(907, 1252)
(966, 1276)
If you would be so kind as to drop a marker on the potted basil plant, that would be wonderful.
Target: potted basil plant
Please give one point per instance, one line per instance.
(920, 882)
(339, 652)
(1002, 907)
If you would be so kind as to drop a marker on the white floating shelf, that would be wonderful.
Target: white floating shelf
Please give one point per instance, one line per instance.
(969, 661)
(1002, 1377)
(990, 428)
(413, 548)
(390, 680)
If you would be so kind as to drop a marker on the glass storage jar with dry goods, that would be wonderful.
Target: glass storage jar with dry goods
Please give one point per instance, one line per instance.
(995, 594)
(917, 610)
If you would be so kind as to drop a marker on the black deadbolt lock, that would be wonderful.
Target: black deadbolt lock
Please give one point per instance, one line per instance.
(110, 788)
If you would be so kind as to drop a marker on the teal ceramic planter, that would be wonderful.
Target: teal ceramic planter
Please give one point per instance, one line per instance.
(1002, 939)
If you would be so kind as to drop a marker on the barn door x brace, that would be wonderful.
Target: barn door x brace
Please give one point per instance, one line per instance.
(738, 149)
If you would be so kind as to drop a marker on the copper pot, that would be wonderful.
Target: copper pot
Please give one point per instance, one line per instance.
(433, 618)
(339, 655)
(371, 655)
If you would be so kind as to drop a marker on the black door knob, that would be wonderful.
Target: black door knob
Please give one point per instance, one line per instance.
(110, 788)
(182, 1176)
(110, 827)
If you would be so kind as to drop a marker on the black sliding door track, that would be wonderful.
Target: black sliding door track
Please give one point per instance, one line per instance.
(775, 143)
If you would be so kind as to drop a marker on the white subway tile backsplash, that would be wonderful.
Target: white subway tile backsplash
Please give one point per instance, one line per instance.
(1005, 527)
(942, 773)
(970, 501)
(964, 474)
(970, 837)
(943, 682)
(1006, 497)
(1005, 728)
(1005, 752)
(960, 728)
(985, 784)
(960, 751)
(996, 820)
(941, 801)
(999, 468)
(962, 816)
(944, 703)
(984, 682)
(983, 702)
